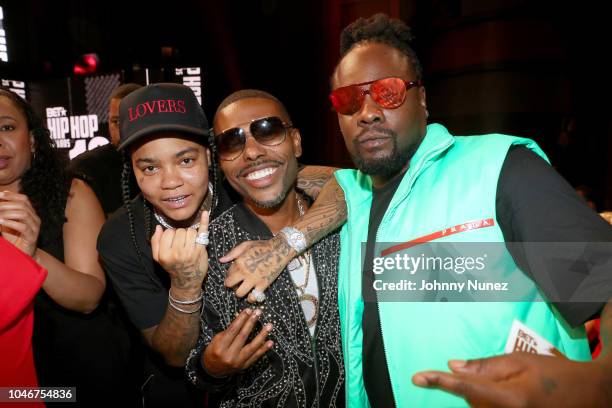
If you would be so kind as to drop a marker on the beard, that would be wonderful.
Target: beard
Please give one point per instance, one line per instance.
(275, 202)
(388, 165)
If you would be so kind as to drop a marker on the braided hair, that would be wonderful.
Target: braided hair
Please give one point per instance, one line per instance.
(126, 193)
(46, 182)
(214, 175)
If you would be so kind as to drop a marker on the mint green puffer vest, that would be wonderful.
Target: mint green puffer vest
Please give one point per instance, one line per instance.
(451, 181)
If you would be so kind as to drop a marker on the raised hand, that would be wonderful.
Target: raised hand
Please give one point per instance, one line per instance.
(229, 353)
(19, 222)
(178, 253)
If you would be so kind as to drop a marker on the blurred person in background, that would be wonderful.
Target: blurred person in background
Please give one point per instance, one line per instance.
(101, 167)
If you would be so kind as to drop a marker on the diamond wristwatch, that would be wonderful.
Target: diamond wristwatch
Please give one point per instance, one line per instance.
(295, 238)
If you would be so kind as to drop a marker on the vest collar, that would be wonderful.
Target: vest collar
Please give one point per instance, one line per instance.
(436, 141)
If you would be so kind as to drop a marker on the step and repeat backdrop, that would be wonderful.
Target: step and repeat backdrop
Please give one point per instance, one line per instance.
(76, 108)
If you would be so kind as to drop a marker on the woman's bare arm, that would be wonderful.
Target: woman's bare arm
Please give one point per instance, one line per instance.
(78, 283)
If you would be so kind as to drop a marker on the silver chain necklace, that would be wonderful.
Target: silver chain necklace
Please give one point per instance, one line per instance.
(160, 218)
(300, 205)
(299, 260)
(304, 261)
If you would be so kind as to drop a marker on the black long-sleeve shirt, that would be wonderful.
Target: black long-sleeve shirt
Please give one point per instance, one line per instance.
(533, 204)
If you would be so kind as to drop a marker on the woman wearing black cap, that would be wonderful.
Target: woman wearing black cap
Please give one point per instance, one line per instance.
(154, 248)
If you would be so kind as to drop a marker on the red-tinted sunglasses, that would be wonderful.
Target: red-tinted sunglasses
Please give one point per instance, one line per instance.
(388, 93)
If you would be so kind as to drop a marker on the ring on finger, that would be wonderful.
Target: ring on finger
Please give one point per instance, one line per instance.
(258, 295)
(202, 238)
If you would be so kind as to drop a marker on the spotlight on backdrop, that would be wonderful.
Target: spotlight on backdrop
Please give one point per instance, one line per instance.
(87, 64)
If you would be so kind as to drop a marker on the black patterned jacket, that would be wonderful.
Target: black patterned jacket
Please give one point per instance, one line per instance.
(300, 370)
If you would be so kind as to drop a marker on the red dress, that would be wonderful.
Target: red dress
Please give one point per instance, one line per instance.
(20, 281)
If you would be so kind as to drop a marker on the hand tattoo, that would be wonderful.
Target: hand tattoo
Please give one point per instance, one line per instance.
(264, 256)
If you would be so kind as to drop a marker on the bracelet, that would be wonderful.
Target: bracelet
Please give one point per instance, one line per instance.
(294, 238)
(175, 307)
(185, 302)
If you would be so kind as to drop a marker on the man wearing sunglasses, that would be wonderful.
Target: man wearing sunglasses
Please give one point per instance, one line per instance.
(417, 183)
(286, 352)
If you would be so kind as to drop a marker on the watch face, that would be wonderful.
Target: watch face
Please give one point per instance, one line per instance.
(295, 238)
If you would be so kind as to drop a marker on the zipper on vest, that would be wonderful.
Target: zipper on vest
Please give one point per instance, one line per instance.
(385, 350)
(381, 328)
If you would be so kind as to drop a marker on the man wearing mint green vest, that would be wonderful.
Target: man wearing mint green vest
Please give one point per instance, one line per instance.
(419, 183)
(413, 181)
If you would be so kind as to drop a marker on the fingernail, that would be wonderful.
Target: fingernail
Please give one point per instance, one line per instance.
(457, 364)
(268, 326)
(248, 310)
(270, 344)
(420, 380)
(258, 312)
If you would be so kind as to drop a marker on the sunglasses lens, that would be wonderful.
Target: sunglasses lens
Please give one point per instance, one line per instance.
(346, 100)
(230, 143)
(268, 131)
(389, 93)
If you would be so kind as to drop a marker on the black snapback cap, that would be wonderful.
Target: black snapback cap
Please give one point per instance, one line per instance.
(159, 108)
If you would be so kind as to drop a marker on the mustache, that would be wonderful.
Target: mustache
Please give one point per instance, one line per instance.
(374, 129)
(258, 163)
